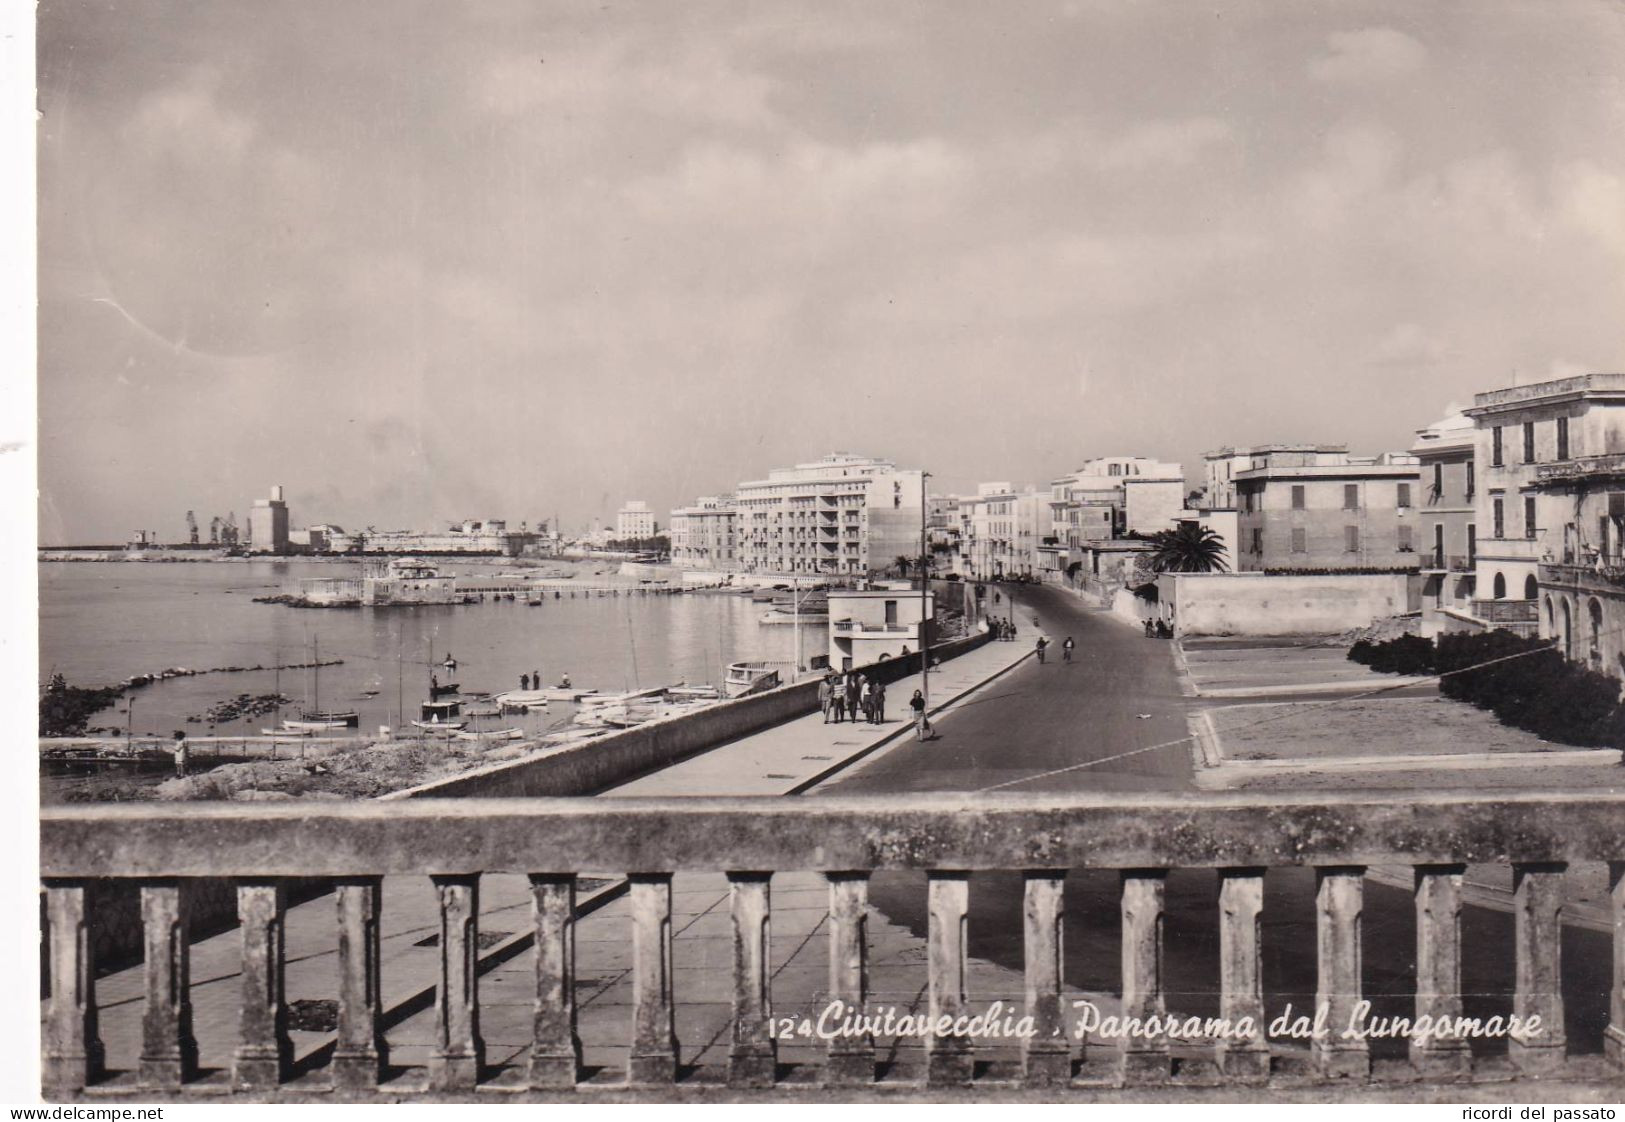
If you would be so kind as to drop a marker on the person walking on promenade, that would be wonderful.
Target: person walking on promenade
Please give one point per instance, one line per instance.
(837, 697)
(826, 697)
(922, 723)
(1150, 630)
(854, 695)
(1066, 649)
(524, 682)
(536, 677)
(183, 754)
(880, 703)
(1042, 643)
(869, 702)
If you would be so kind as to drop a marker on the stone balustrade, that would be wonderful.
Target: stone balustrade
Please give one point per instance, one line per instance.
(949, 836)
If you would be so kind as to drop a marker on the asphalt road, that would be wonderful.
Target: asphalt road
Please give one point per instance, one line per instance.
(1121, 694)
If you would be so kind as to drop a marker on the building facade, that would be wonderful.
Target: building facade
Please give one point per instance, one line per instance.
(840, 516)
(268, 524)
(1001, 530)
(1220, 468)
(876, 624)
(1108, 497)
(1555, 475)
(1301, 514)
(635, 521)
(1447, 520)
(703, 535)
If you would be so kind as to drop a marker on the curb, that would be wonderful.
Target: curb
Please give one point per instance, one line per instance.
(841, 765)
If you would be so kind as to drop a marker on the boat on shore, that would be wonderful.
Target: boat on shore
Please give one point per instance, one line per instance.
(317, 722)
(492, 734)
(745, 678)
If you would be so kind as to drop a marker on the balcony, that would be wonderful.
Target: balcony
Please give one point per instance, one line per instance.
(1605, 574)
(949, 836)
(1446, 562)
(1507, 611)
(1586, 468)
(858, 627)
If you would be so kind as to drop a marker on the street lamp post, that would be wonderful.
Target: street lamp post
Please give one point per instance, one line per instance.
(925, 593)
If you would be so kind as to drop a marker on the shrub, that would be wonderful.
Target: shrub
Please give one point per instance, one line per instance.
(1408, 654)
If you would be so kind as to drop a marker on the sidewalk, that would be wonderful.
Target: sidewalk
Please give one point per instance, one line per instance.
(783, 760)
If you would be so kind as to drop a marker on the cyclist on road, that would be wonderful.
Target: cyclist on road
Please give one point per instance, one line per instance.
(1066, 649)
(1042, 643)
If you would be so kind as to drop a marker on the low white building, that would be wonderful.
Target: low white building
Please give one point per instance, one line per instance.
(876, 624)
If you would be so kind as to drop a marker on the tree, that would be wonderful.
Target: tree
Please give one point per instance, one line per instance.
(903, 564)
(1191, 548)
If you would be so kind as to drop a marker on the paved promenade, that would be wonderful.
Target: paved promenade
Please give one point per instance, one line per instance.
(784, 760)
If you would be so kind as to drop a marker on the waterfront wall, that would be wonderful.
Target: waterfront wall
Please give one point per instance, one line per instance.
(1255, 604)
(608, 761)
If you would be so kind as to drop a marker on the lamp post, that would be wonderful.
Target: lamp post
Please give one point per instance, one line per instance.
(129, 723)
(925, 593)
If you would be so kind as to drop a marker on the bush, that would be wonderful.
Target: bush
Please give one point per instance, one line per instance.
(1408, 654)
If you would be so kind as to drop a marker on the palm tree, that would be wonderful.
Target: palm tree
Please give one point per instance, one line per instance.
(1191, 548)
(902, 565)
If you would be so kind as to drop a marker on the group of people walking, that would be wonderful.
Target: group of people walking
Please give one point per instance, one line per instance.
(842, 699)
(1004, 630)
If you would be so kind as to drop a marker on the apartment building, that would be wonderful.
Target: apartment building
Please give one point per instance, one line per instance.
(1001, 531)
(1447, 521)
(703, 535)
(841, 516)
(1299, 513)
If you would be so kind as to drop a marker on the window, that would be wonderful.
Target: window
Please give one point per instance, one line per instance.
(891, 612)
(1351, 496)
(1438, 482)
(1404, 495)
(1297, 496)
(1438, 546)
(1499, 588)
(1472, 486)
(1529, 442)
(1498, 519)
(1258, 540)
(1529, 516)
(1405, 545)
(1495, 446)
(1351, 539)
(1300, 542)
(1562, 438)
(1472, 544)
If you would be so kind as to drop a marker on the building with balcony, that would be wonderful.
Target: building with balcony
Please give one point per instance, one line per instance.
(841, 516)
(703, 535)
(1542, 456)
(1001, 532)
(1447, 522)
(1221, 467)
(1299, 513)
(1106, 498)
(1555, 480)
(876, 624)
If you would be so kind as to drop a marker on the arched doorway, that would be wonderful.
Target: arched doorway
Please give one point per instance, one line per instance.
(1499, 588)
(1530, 588)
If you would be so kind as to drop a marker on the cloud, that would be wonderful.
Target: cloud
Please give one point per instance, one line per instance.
(1372, 54)
(1408, 345)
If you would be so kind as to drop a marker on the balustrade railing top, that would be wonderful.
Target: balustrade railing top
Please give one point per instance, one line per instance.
(948, 835)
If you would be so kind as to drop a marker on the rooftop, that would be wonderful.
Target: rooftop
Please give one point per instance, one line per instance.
(1579, 385)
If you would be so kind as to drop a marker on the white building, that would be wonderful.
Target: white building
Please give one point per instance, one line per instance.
(1222, 467)
(840, 516)
(634, 521)
(1001, 530)
(703, 535)
(1106, 498)
(876, 624)
(268, 524)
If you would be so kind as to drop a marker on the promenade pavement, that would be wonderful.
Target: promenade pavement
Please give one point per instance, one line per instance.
(784, 760)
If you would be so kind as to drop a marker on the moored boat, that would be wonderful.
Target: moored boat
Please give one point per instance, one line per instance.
(493, 734)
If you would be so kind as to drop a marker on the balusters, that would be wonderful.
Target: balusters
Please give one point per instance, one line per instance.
(1438, 970)
(555, 1051)
(359, 1051)
(654, 1032)
(949, 1059)
(1614, 1035)
(1241, 903)
(1046, 1055)
(1143, 1058)
(264, 1049)
(72, 1045)
(850, 1059)
(1339, 898)
(1537, 910)
(168, 1049)
(454, 1065)
(753, 1059)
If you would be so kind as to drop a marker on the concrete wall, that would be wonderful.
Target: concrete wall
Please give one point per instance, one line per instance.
(1254, 604)
(606, 761)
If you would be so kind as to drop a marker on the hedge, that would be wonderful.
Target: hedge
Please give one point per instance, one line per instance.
(1528, 684)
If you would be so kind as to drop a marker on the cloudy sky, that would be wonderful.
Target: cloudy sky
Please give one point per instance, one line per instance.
(429, 260)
